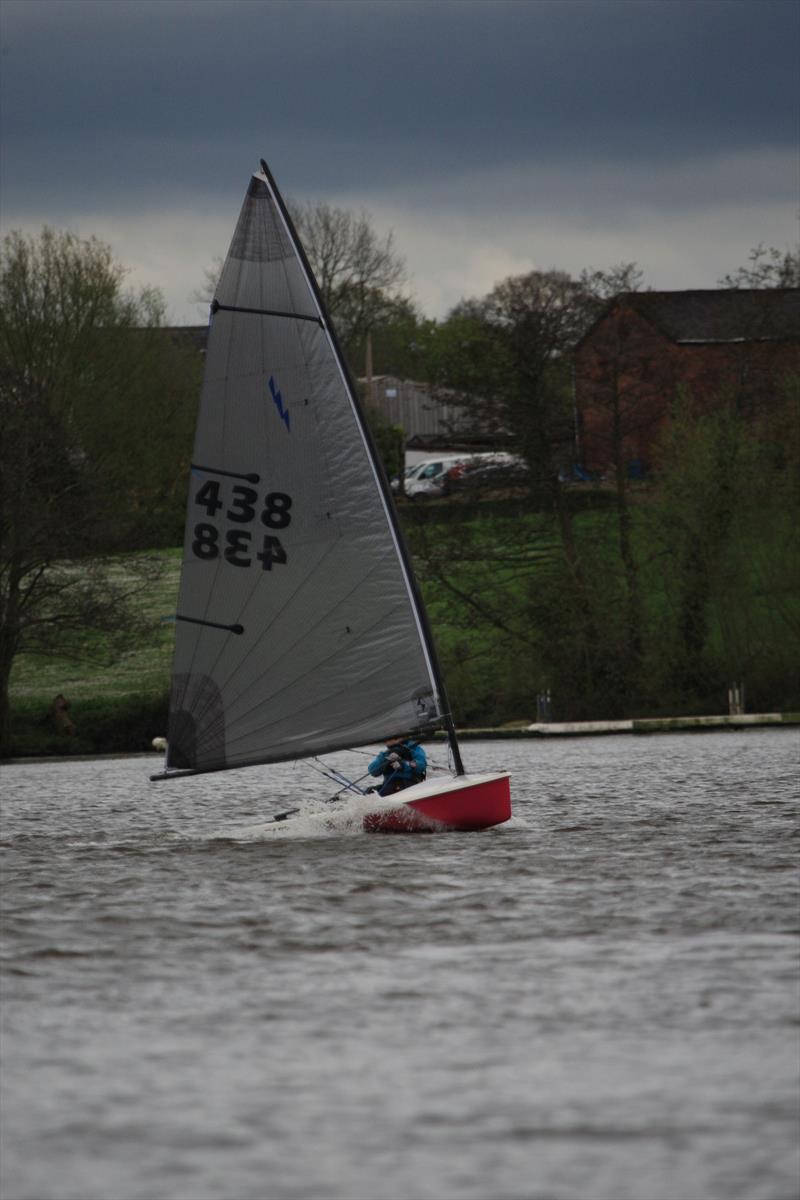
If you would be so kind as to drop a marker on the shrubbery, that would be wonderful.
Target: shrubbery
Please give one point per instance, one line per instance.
(111, 725)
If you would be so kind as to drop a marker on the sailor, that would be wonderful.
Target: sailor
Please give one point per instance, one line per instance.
(402, 764)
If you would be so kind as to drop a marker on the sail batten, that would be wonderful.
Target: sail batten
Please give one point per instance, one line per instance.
(264, 312)
(291, 544)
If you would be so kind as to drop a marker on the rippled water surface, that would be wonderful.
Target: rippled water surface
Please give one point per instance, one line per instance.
(597, 1000)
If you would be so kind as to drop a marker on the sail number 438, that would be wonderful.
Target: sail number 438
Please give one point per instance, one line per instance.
(244, 507)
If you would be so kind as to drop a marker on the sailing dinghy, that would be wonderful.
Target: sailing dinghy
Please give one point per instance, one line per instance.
(300, 629)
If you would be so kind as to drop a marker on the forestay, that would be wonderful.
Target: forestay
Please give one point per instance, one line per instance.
(298, 631)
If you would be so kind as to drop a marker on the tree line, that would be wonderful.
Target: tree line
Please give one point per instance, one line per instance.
(706, 594)
(98, 402)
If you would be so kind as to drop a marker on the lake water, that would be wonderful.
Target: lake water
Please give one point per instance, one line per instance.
(597, 1000)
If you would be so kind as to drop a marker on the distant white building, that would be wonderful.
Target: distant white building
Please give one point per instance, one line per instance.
(427, 420)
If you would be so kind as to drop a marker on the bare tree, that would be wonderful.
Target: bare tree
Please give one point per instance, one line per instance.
(767, 267)
(601, 286)
(360, 273)
(204, 294)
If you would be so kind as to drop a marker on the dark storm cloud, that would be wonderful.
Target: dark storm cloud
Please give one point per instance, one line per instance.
(110, 100)
(490, 136)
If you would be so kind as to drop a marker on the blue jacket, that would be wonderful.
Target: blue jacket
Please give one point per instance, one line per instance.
(412, 767)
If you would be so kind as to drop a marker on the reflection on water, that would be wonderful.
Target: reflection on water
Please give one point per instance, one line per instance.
(596, 1000)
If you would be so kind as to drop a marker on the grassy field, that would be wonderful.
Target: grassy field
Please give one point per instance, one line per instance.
(123, 705)
(143, 671)
(488, 576)
(115, 706)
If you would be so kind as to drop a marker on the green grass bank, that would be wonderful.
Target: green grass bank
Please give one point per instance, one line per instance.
(503, 613)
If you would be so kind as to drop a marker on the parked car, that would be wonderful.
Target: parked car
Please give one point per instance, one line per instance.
(426, 478)
(487, 470)
(409, 472)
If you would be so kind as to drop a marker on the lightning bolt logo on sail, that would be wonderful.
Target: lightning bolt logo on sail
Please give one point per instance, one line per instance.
(283, 413)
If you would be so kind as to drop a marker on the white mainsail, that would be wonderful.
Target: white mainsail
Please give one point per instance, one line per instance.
(298, 628)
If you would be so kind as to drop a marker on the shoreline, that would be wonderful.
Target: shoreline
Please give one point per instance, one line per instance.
(521, 729)
(643, 725)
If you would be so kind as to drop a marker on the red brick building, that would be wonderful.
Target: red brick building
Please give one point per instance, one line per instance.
(646, 346)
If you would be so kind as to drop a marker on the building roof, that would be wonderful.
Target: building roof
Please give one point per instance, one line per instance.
(724, 315)
(196, 335)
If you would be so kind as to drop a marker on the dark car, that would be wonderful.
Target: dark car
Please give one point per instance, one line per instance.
(487, 471)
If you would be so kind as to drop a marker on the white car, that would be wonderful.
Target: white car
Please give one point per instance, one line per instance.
(426, 478)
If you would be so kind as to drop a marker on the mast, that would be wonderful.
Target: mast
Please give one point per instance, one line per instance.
(422, 616)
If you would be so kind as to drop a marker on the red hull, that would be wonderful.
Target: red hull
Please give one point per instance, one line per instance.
(467, 803)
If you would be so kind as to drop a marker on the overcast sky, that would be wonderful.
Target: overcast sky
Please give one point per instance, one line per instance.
(491, 137)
